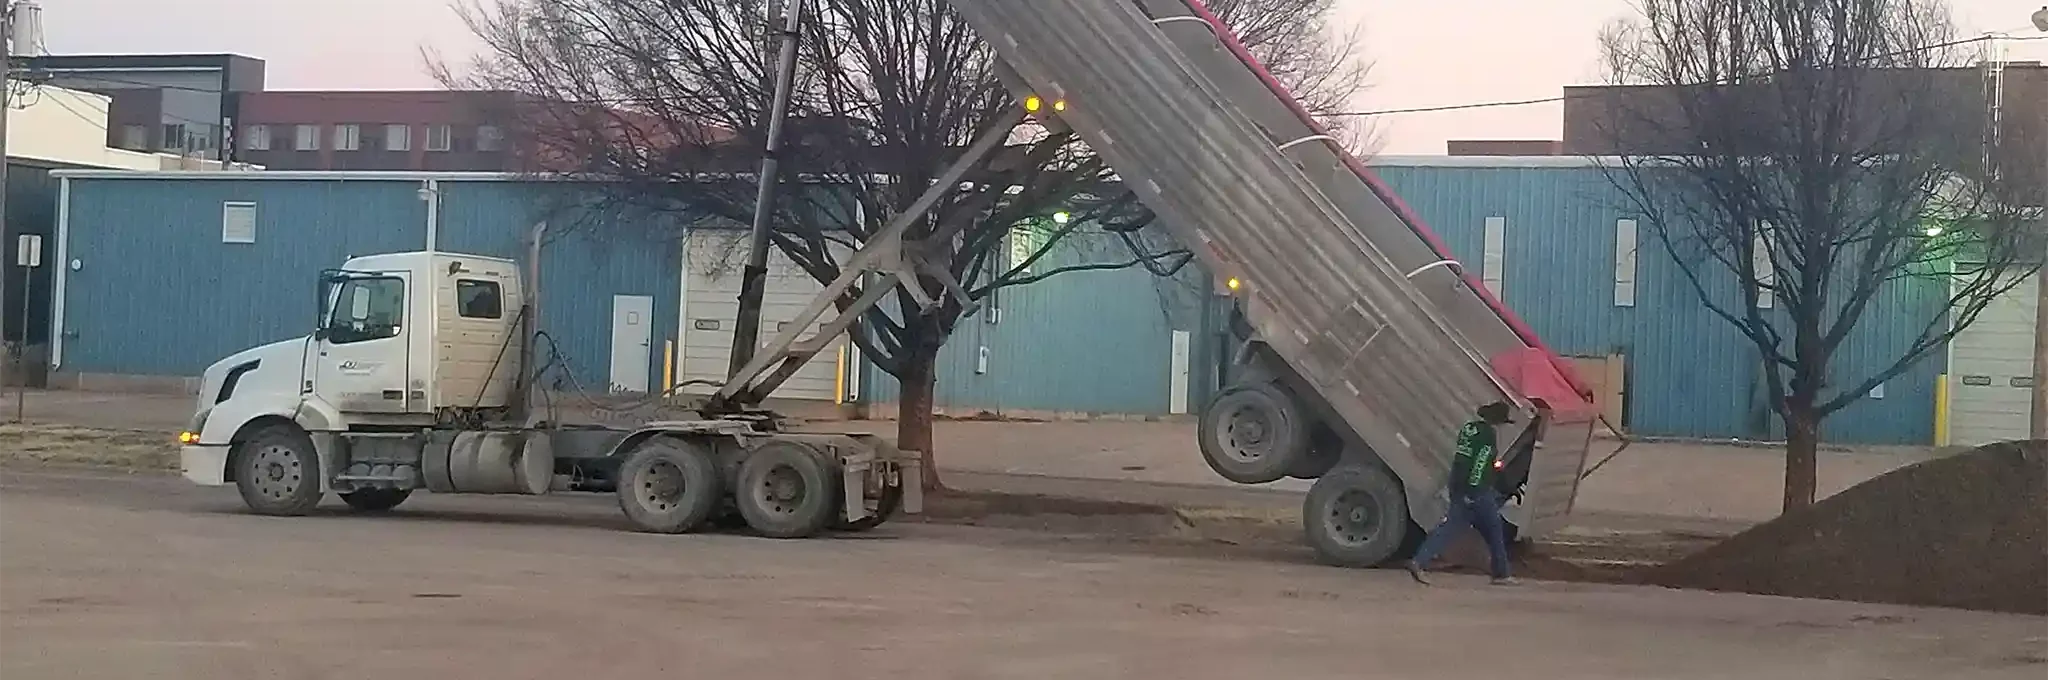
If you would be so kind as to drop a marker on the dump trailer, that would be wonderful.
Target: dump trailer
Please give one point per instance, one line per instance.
(1366, 344)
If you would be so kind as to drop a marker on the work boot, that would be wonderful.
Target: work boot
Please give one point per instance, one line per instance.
(1506, 581)
(1415, 572)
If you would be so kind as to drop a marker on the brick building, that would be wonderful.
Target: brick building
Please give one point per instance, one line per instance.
(1609, 120)
(433, 130)
(175, 103)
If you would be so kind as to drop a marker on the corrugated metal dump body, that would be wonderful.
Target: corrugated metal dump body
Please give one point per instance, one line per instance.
(1335, 278)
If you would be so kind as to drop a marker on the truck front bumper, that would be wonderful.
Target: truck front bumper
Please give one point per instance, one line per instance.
(204, 464)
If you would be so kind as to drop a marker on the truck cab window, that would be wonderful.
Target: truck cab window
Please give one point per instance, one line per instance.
(370, 308)
(478, 299)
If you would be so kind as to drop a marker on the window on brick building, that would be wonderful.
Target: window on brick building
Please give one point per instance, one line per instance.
(439, 138)
(256, 137)
(489, 138)
(398, 138)
(348, 137)
(307, 137)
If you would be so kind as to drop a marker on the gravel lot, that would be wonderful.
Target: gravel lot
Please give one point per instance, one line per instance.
(109, 576)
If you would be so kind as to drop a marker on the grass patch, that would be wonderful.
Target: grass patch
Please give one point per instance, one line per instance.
(49, 444)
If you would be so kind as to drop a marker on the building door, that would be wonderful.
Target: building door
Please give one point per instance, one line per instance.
(1177, 381)
(632, 341)
(1991, 371)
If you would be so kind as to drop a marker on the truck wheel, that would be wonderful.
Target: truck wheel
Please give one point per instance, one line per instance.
(668, 487)
(1356, 516)
(278, 472)
(785, 490)
(1253, 433)
(375, 500)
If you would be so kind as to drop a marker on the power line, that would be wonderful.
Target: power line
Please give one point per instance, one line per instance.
(102, 125)
(1447, 107)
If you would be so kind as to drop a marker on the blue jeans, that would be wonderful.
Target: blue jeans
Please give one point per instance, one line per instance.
(1479, 508)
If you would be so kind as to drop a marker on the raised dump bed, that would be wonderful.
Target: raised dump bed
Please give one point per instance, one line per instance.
(1368, 345)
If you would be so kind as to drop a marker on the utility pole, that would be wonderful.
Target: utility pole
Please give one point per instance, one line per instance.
(2038, 423)
(6, 108)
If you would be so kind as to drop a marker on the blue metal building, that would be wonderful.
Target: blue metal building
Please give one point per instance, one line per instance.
(152, 288)
(1563, 233)
(1560, 231)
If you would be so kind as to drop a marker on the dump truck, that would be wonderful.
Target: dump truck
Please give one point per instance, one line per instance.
(1363, 343)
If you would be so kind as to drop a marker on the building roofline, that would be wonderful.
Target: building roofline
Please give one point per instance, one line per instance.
(142, 56)
(1395, 161)
(301, 175)
(1493, 161)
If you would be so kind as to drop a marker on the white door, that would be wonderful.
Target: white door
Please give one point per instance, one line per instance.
(363, 346)
(1177, 380)
(632, 341)
(1991, 371)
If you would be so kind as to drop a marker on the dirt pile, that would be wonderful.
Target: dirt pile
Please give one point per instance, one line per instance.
(1968, 531)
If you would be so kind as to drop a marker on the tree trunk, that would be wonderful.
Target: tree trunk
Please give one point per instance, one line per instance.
(1802, 447)
(914, 404)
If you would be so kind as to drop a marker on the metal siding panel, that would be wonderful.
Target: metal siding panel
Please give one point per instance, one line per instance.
(159, 294)
(1088, 341)
(31, 209)
(1690, 374)
(587, 257)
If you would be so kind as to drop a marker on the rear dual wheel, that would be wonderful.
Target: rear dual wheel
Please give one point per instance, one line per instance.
(1357, 516)
(788, 490)
(669, 486)
(375, 500)
(1253, 433)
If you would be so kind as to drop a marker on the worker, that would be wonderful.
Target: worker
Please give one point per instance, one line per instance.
(1474, 500)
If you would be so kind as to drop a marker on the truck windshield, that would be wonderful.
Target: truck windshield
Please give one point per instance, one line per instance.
(365, 308)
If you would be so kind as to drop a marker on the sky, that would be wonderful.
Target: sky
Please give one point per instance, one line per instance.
(1435, 53)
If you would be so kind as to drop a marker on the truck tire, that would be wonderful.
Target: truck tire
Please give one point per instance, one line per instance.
(1254, 433)
(1356, 516)
(786, 490)
(375, 500)
(278, 472)
(666, 486)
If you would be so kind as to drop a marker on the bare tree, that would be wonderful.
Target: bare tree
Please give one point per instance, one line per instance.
(1800, 159)
(664, 101)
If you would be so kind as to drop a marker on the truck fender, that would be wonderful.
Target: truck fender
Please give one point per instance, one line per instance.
(232, 421)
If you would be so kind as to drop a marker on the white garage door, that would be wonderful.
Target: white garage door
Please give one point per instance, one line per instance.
(1991, 369)
(712, 265)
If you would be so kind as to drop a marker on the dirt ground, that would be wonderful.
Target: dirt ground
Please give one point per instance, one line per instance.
(1694, 487)
(1652, 503)
(147, 577)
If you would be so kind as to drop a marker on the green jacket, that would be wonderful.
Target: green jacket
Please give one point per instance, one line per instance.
(1472, 466)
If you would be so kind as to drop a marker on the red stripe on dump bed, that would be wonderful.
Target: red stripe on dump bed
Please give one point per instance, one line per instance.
(1387, 196)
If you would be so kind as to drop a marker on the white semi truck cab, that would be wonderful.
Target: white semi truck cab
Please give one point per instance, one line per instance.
(415, 376)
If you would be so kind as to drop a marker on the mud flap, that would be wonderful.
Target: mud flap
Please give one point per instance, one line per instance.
(853, 476)
(911, 469)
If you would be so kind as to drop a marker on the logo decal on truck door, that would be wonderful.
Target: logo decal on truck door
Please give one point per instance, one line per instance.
(354, 367)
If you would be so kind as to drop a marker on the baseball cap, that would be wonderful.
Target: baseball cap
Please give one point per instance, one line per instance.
(1499, 410)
